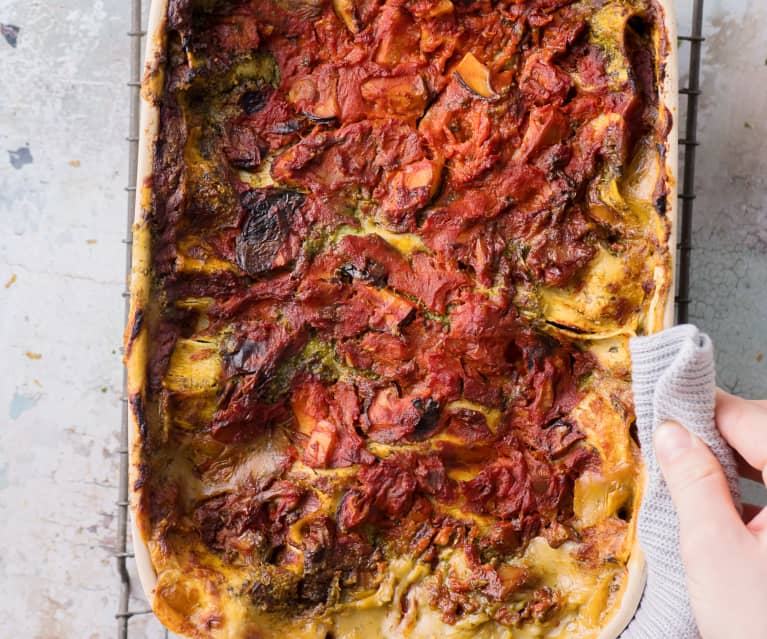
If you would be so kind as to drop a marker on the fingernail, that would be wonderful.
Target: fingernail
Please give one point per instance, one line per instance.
(671, 440)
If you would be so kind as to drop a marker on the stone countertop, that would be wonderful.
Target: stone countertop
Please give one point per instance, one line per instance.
(729, 260)
(63, 120)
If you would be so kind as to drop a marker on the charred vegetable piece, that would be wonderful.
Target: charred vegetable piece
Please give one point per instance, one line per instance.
(429, 421)
(345, 10)
(254, 101)
(475, 76)
(245, 149)
(317, 97)
(194, 366)
(405, 96)
(398, 41)
(266, 229)
(373, 273)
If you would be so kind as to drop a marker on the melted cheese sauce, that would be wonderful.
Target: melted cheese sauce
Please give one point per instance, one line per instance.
(405, 243)
(195, 365)
(196, 256)
(590, 306)
(492, 415)
(261, 177)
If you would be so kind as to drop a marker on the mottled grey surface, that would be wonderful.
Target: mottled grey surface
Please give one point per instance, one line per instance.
(729, 263)
(63, 114)
(63, 120)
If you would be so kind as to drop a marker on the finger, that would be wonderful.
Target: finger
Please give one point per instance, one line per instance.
(743, 424)
(707, 515)
(722, 557)
(758, 523)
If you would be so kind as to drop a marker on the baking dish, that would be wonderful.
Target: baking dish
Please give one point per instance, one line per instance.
(137, 337)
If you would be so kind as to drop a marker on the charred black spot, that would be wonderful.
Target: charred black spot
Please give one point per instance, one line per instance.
(348, 272)
(512, 353)
(270, 212)
(376, 272)
(250, 356)
(408, 319)
(142, 470)
(559, 435)
(639, 26)
(565, 327)
(660, 204)
(467, 88)
(321, 120)
(138, 323)
(314, 589)
(373, 273)
(624, 513)
(254, 101)
(286, 128)
(429, 420)
(275, 555)
(137, 406)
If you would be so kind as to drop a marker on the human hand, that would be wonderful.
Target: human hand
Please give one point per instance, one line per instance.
(725, 558)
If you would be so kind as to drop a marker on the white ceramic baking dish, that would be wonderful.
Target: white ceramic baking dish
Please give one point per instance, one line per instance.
(136, 335)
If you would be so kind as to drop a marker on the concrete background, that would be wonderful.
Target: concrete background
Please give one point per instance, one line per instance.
(63, 118)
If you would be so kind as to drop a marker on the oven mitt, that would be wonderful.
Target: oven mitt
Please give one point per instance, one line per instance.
(673, 379)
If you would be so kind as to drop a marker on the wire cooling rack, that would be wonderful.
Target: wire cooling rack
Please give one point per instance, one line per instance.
(688, 143)
(122, 553)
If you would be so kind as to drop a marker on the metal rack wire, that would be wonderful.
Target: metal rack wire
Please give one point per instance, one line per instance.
(122, 554)
(688, 142)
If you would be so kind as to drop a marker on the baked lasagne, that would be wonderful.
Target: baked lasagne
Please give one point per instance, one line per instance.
(388, 258)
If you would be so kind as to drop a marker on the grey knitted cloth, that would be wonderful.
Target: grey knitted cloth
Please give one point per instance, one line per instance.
(673, 379)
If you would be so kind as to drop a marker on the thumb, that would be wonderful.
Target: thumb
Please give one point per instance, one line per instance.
(707, 515)
(723, 560)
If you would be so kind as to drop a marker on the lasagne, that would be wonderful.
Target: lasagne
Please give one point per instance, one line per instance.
(387, 260)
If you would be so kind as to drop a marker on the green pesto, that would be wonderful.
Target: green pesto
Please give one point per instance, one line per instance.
(316, 357)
